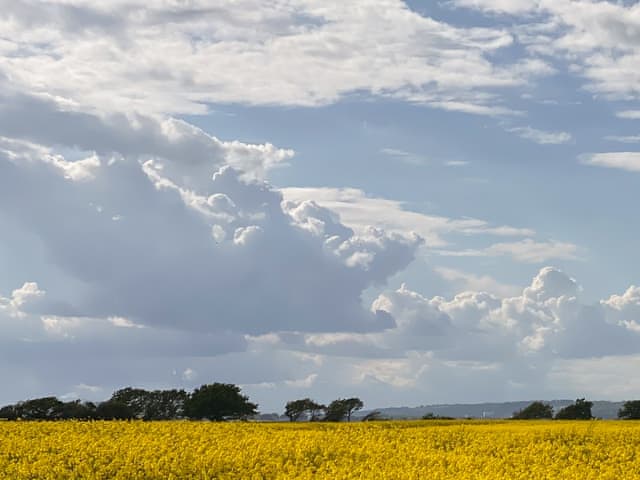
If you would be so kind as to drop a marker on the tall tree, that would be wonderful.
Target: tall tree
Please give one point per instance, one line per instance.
(219, 401)
(295, 409)
(580, 410)
(342, 408)
(630, 410)
(154, 405)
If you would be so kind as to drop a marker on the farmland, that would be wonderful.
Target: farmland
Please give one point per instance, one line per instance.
(380, 450)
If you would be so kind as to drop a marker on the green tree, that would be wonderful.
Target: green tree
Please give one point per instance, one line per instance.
(342, 408)
(9, 412)
(78, 410)
(154, 405)
(295, 409)
(45, 408)
(630, 410)
(314, 410)
(219, 401)
(534, 411)
(580, 410)
(113, 410)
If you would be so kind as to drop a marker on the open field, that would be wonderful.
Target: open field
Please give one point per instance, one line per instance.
(376, 450)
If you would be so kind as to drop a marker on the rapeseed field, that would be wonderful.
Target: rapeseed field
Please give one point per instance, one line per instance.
(377, 450)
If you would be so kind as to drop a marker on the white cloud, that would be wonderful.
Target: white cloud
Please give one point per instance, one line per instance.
(629, 114)
(512, 7)
(158, 58)
(597, 39)
(403, 156)
(629, 161)
(159, 264)
(470, 282)
(456, 163)
(359, 211)
(624, 138)
(540, 136)
(527, 251)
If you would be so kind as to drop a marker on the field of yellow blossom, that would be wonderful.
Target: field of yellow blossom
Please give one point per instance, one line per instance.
(376, 450)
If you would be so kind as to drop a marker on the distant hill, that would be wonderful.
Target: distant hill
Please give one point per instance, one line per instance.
(601, 409)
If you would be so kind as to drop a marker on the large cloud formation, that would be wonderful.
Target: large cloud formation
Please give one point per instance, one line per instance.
(480, 346)
(139, 249)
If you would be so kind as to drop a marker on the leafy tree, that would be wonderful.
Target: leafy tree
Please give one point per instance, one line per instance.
(113, 410)
(352, 405)
(45, 408)
(136, 400)
(630, 410)
(295, 409)
(78, 410)
(155, 405)
(9, 412)
(314, 410)
(342, 408)
(580, 410)
(534, 411)
(166, 404)
(219, 401)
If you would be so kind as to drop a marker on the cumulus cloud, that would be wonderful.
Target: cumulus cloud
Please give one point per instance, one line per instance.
(522, 345)
(359, 211)
(160, 264)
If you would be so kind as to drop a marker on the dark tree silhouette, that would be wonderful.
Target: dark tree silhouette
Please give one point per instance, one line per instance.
(155, 405)
(580, 410)
(342, 408)
(112, 410)
(534, 411)
(296, 409)
(630, 410)
(219, 401)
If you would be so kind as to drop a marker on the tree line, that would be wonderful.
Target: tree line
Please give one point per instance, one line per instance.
(225, 401)
(579, 410)
(216, 401)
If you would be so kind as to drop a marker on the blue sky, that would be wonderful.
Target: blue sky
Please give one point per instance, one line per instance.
(417, 195)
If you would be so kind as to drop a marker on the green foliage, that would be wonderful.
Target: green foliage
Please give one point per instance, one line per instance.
(580, 410)
(630, 410)
(219, 401)
(155, 405)
(114, 410)
(534, 411)
(297, 409)
(342, 408)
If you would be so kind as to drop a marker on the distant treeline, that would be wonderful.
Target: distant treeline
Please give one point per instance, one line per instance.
(579, 410)
(217, 401)
(225, 401)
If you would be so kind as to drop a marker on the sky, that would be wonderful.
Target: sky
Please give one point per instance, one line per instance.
(410, 202)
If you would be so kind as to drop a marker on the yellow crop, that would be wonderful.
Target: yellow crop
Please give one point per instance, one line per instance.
(378, 450)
